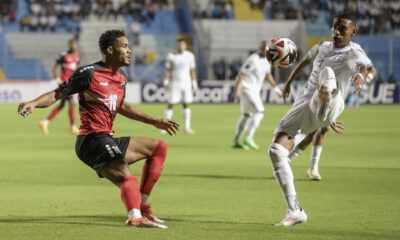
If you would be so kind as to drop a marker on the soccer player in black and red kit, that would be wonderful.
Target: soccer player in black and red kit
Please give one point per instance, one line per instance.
(101, 88)
(69, 62)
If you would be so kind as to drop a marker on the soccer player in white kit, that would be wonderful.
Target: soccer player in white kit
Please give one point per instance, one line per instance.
(336, 66)
(249, 81)
(180, 81)
(317, 137)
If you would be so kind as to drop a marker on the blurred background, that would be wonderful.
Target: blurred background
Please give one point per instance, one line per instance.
(221, 33)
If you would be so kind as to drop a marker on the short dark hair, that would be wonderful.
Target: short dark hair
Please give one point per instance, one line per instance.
(108, 37)
(348, 16)
(180, 40)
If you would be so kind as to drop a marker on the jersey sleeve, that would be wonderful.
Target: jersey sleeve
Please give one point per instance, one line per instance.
(313, 52)
(359, 58)
(248, 67)
(368, 61)
(60, 59)
(168, 62)
(78, 82)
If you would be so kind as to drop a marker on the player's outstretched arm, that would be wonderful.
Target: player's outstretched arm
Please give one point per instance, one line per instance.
(271, 81)
(45, 100)
(293, 75)
(131, 112)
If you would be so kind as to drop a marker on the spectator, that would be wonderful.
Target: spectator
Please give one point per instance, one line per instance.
(24, 23)
(135, 29)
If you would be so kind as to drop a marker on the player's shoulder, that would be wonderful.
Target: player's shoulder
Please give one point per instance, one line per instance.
(123, 73)
(90, 68)
(356, 47)
(325, 45)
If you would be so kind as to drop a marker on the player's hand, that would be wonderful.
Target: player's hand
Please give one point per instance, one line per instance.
(25, 109)
(337, 127)
(286, 92)
(357, 81)
(235, 97)
(168, 125)
(59, 81)
(278, 91)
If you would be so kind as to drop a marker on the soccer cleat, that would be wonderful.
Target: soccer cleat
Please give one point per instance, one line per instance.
(313, 174)
(293, 218)
(44, 127)
(239, 146)
(74, 130)
(143, 222)
(323, 104)
(146, 211)
(250, 143)
(189, 131)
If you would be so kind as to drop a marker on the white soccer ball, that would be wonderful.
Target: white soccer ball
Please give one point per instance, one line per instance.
(281, 52)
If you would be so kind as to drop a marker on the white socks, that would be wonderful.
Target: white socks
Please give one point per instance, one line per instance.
(46, 121)
(186, 117)
(315, 155)
(145, 199)
(168, 113)
(283, 174)
(255, 122)
(296, 151)
(241, 127)
(134, 213)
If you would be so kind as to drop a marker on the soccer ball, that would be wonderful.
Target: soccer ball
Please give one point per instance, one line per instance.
(281, 52)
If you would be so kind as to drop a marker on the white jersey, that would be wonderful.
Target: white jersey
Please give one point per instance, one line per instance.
(254, 71)
(343, 61)
(180, 65)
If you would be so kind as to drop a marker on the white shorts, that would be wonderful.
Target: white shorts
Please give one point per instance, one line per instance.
(301, 118)
(250, 101)
(178, 94)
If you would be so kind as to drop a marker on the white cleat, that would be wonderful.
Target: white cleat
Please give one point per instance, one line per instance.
(143, 222)
(189, 131)
(313, 174)
(293, 218)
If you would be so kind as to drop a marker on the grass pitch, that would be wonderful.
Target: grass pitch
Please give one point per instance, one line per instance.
(207, 190)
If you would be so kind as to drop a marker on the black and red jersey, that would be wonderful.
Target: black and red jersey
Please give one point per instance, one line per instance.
(100, 95)
(69, 62)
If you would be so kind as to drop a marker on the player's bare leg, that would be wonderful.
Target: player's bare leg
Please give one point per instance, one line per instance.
(187, 118)
(168, 114)
(154, 151)
(240, 128)
(278, 153)
(71, 112)
(253, 125)
(44, 124)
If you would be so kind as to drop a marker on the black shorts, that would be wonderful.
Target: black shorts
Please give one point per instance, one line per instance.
(98, 149)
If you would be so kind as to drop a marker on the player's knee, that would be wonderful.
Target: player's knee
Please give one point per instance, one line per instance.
(277, 154)
(324, 130)
(162, 147)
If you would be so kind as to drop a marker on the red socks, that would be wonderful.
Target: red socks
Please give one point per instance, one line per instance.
(130, 193)
(53, 113)
(153, 167)
(71, 113)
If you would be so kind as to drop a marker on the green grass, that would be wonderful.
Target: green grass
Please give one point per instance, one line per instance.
(207, 190)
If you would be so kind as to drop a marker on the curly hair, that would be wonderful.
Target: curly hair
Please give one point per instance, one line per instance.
(108, 37)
